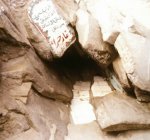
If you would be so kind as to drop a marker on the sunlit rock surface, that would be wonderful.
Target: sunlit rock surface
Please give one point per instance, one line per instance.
(111, 113)
(91, 40)
(134, 53)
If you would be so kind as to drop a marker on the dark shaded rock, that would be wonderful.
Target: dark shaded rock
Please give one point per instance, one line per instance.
(142, 96)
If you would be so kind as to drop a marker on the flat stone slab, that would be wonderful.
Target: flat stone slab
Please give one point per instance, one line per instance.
(100, 87)
(118, 112)
(82, 112)
(90, 131)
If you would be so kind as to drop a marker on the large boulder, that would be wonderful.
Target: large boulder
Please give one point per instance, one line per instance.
(134, 52)
(109, 18)
(115, 16)
(39, 119)
(90, 38)
(67, 8)
(111, 110)
(121, 74)
(24, 69)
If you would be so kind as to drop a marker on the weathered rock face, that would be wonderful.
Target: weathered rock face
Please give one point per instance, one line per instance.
(50, 118)
(111, 110)
(24, 68)
(127, 44)
(121, 74)
(26, 24)
(109, 19)
(91, 40)
(40, 119)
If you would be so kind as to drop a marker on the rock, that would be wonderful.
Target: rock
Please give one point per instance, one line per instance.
(109, 18)
(127, 44)
(114, 82)
(121, 74)
(80, 104)
(135, 135)
(49, 118)
(29, 134)
(67, 8)
(100, 87)
(51, 25)
(90, 131)
(111, 110)
(18, 25)
(142, 96)
(11, 30)
(91, 39)
(40, 119)
(25, 66)
(12, 117)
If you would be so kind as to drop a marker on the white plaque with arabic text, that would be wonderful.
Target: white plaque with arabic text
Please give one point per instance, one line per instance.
(55, 29)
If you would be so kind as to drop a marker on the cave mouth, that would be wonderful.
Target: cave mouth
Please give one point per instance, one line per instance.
(77, 65)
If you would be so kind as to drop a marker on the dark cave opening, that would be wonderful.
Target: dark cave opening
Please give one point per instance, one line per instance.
(77, 65)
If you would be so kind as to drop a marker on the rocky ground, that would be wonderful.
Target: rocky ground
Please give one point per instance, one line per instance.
(74, 70)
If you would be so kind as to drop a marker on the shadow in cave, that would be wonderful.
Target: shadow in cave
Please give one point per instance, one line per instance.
(76, 65)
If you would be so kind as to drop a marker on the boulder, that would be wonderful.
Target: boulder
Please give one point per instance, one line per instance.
(49, 118)
(109, 18)
(12, 117)
(40, 119)
(11, 29)
(24, 68)
(118, 112)
(67, 8)
(115, 16)
(100, 87)
(134, 50)
(141, 95)
(90, 38)
(121, 74)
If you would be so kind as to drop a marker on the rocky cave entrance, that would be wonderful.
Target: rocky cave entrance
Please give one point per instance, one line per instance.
(77, 65)
(53, 88)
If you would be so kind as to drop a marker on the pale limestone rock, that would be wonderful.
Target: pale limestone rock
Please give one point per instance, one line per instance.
(109, 18)
(121, 74)
(134, 52)
(67, 8)
(89, 131)
(91, 40)
(80, 104)
(135, 135)
(115, 16)
(100, 87)
(117, 112)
